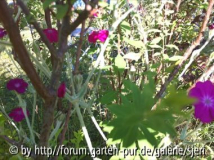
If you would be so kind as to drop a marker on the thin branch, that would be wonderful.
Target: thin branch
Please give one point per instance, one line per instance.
(39, 30)
(188, 52)
(206, 74)
(19, 48)
(78, 54)
(178, 5)
(11, 141)
(47, 16)
(64, 130)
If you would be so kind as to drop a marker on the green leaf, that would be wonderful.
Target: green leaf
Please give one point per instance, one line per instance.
(46, 3)
(108, 97)
(154, 46)
(137, 44)
(157, 54)
(172, 46)
(177, 100)
(165, 121)
(136, 94)
(105, 126)
(156, 40)
(132, 56)
(134, 117)
(175, 58)
(154, 30)
(119, 131)
(149, 136)
(92, 51)
(183, 133)
(120, 111)
(36, 48)
(131, 136)
(165, 57)
(61, 11)
(168, 12)
(30, 18)
(126, 26)
(120, 62)
(147, 101)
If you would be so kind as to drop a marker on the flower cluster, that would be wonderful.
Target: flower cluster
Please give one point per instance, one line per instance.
(17, 114)
(203, 92)
(51, 34)
(2, 32)
(20, 86)
(17, 84)
(101, 35)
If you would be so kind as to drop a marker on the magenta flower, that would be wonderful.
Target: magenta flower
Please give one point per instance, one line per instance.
(95, 15)
(103, 35)
(204, 106)
(17, 114)
(17, 84)
(98, 35)
(93, 37)
(52, 34)
(61, 90)
(2, 32)
(211, 26)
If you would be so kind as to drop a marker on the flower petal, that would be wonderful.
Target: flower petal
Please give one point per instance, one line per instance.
(205, 87)
(2, 32)
(203, 91)
(195, 93)
(93, 37)
(61, 90)
(17, 84)
(10, 84)
(103, 35)
(17, 114)
(203, 113)
(20, 90)
(51, 34)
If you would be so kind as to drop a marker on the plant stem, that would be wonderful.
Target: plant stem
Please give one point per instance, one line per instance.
(34, 108)
(96, 124)
(85, 132)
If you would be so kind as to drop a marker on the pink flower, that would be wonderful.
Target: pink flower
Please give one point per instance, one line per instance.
(2, 32)
(211, 26)
(93, 37)
(204, 106)
(17, 114)
(52, 34)
(95, 14)
(101, 35)
(61, 90)
(17, 84)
